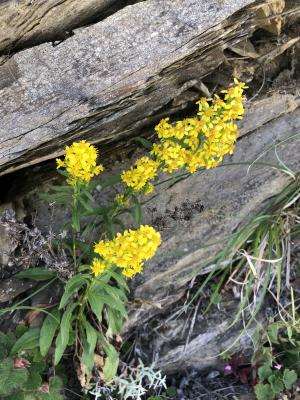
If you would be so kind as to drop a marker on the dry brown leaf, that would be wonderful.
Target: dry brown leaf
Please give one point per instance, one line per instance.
(84, 380)
(98, 361)
(244, 48)
(33, 314)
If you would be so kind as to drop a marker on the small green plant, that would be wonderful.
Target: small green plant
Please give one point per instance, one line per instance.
(277, 353)
(22, 368)
(276, 381)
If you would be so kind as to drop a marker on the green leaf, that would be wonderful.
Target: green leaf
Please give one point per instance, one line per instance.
(60, 348)
(84, 267)
(272, 332)
(85, 205)
(115, 321)
(61, 188)
(58, 198)
(63, 337)
(109, 225)
(289, 378)
(114, 292)
(75, 219)
(20, 330)
(137, 211)
(264, 372)
(29, 340)
(66, 323)
(88, 194)
(97, 211)
(112, 361)
(264, 392)
(119, 279)
(96, 304)
(215, 298)
(89, 344)
(36, 274)
(74, 284)
(289, 333)
(111, 366)
(171, 391)
(88, 229)
(276, 383)
(48, 330)
(146, 143)
(110, 300)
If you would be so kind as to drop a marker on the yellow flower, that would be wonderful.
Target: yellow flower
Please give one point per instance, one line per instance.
(129, 250)
(148, 188)
(137, 176)
(80, 163)
(121, 200)
(99, 266)
(59, 163)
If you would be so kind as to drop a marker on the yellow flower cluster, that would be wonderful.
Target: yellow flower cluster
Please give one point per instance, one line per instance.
(80, 162)
(192, 143)
(143, 170)
(128, 251)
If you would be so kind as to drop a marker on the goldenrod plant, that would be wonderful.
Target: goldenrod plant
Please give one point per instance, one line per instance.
(92, 309)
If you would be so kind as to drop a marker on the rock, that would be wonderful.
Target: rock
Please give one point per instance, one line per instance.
(7, 247)
(45, 298)
(27, 23)
(111, 79)
(13, 287)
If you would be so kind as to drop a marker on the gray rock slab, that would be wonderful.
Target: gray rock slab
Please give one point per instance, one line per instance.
(107, 79)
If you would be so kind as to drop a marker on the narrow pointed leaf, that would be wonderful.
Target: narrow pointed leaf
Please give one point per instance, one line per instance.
(48, 330)
(37, 274)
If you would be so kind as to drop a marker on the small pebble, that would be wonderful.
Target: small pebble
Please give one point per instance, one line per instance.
(213, 375)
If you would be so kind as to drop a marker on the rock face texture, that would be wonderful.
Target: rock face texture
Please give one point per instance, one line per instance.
(110, 81)
(26, 23)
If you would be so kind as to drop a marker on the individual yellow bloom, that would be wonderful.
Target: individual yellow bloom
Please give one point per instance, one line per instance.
(129, 250)
(80, 163)
(121, 200)
(148, 188)
(60, 163)
(99, 266)
(138, 176)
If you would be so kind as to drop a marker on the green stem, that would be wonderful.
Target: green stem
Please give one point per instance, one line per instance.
(74, 230)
